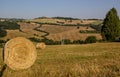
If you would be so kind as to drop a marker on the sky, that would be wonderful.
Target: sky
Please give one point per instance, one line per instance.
(83, 9)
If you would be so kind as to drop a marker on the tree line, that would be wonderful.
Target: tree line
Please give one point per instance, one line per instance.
(89, 39)
(9, 26)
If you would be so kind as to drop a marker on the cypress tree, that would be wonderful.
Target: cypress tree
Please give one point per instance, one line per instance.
(111, 26)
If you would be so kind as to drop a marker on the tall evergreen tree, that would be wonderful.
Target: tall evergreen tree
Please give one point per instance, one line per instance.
(111, 26)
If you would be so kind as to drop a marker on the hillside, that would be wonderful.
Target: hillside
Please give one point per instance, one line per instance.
(26, 30)
(65, 21)
(55, 29)
(68, 32)
(67, 29)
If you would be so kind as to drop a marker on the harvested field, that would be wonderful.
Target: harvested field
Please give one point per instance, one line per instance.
(89, 60)
(54, 32)
(68, 32)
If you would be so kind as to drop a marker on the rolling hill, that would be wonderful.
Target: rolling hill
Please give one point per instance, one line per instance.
(59, 29)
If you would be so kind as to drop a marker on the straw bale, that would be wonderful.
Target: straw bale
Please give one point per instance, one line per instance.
(19, 53)
(41, 45)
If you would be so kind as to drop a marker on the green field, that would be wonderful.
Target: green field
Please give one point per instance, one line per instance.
(89, 60)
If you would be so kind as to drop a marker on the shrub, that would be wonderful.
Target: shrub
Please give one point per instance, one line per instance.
(2, 43)
(67, 41)
(78, 42)
(3, 32)
(9, 25)
(91, 39)
(89, 31)
(34, 39)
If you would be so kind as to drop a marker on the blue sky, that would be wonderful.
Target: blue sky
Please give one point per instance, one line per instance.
(69, 8)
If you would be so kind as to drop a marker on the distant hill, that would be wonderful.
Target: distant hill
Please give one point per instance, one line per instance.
(65, 21)
(58, 17)
(57, 29)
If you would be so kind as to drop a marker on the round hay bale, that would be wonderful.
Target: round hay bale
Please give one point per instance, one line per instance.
(41, 45)
(19, 53)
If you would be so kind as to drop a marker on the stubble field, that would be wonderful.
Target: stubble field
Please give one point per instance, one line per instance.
(89, 60)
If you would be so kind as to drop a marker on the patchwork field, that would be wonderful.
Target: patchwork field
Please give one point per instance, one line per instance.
(88, 60)
(56, 33)
(67, 30)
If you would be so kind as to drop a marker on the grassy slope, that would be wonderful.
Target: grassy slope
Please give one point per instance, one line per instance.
(90, 60)
(68, 32)
(16, 33)
(27, 31)
(56, 32)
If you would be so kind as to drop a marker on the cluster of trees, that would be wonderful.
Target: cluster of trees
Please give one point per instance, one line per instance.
(2, 42)
(111, 26)
(90, 39)
(66, 18)
(7, 25)
(3, 32)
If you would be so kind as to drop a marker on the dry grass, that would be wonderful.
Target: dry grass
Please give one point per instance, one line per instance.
(90, 60)
(68, 32)
(53, 29)
(72, 35)
(27, 31)
(55, 32)
(16, 33)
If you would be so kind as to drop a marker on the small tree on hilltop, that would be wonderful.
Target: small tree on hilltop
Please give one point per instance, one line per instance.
(111, 26)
